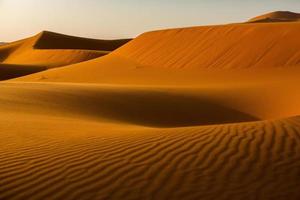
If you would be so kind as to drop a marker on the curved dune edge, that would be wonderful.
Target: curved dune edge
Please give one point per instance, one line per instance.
(51, 40)
(188, 50)
(154, 106)
(50, 50)
(24, 52)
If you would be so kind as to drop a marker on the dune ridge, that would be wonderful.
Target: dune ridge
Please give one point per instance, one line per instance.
(210, 48)
(278, 16)
(51, 40)
(50, 50)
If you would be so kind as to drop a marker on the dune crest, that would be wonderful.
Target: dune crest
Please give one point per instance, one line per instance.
(49, 50)
(51, 40)
(278, 16)
(194, 50)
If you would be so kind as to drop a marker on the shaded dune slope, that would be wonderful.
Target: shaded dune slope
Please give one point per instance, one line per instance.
(225, 47)
(153, 106)
(51, 40)
(52, 50)
(9, 71)
(156, 107)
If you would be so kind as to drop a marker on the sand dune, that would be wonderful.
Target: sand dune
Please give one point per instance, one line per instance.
(278, 16)
(193, 113)
(49, 50)
(157, 105)
(180, 51)
(72, 154)
(51, 40)
(147, 106)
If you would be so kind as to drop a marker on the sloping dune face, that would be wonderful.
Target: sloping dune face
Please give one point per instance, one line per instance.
(50, 40)
(50, 50)
(236, 46)
(278, 16)
(255, 46)
(194, 113)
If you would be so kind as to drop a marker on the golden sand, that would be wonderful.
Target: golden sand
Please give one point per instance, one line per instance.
(195, 113)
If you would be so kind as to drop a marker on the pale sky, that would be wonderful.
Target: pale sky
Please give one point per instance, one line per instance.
(109, 19)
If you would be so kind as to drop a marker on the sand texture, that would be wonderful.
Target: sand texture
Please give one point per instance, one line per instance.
(189, 51)
(192, 113)
(49, 50)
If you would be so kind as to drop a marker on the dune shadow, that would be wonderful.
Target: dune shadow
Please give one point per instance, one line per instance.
(10, 71)
(51, 40)
(147, 108)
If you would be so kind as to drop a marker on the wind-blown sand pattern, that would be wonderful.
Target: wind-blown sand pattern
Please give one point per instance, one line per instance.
(194, 113)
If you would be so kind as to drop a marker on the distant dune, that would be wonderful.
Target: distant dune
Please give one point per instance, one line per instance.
(50, 50)
(278, 16)
(192, 113)
(50, 40)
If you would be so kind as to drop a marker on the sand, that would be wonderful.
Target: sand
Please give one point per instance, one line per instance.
(193, 113)
(50, 50)
(278, 16)
(161, 54)
(85, 145)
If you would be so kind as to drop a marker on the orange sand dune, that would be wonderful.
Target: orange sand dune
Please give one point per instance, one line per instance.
(50, 50)
(194, 113)
(51, 40)
(63, 141)
(179, 51)
(278, 16)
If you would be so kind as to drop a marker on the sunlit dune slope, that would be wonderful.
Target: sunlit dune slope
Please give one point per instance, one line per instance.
(62, 141)
(230, 47)
(50, 50)
(278, 16)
